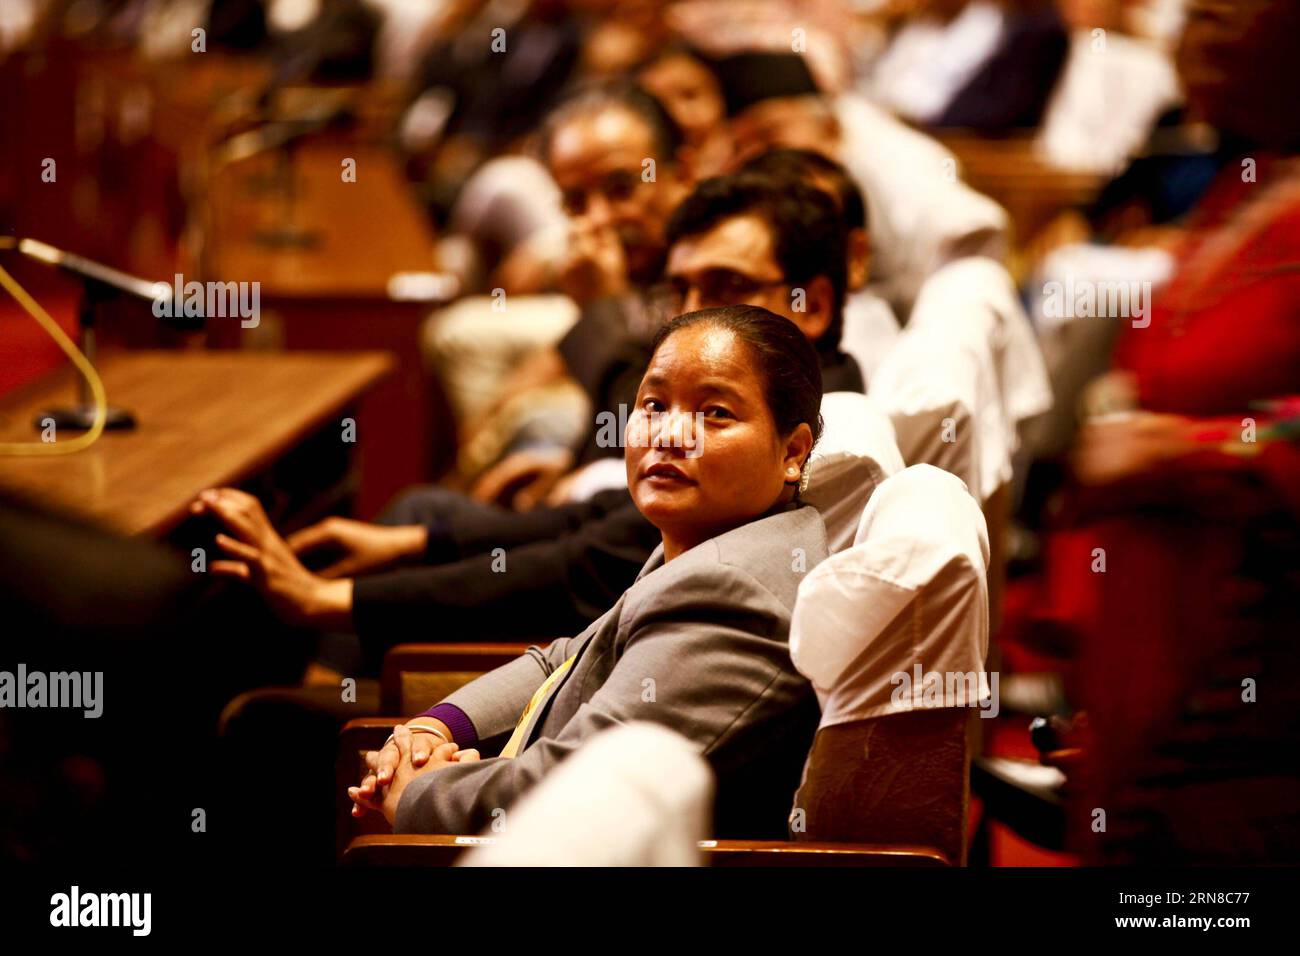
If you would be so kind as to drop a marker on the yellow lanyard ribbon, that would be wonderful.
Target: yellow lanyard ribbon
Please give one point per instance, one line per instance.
(517, 738)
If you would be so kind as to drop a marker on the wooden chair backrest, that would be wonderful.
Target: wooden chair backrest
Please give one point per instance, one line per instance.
(898, 779)
(417, 676)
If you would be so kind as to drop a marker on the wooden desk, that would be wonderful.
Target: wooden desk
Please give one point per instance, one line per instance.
(205, 419)
(360, 233)
(141, 185)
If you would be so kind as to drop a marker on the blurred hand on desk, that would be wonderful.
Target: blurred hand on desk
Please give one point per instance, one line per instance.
(266, 560)
(356, 546)
(523, 479)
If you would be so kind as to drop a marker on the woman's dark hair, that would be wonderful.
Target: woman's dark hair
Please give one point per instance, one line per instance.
(619, 93)
(785, 359)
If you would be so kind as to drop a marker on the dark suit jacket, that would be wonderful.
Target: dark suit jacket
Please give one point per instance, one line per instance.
(1013, 88)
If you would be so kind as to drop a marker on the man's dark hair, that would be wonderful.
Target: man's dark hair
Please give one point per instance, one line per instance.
(752, 77)
(619, 94)
(808, 234)
(806, 165)
(785, 359)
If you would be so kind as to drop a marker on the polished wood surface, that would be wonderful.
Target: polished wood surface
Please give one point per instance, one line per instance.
(357, 234)
(205, 419)
(436, 850)
(417, 676)
(897, 779)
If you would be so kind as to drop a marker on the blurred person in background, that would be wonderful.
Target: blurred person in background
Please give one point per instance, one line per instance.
(1010, 90)
(827, 34)
(612, 151)
(1118, 112)
(506, 230)
(1122, 115)
(937, 47)
(922, 215)
(774, 102)
(1189, 489)
(684, 82)
(983, 65)
(1118, 83)
(619, 35)
(470, 101)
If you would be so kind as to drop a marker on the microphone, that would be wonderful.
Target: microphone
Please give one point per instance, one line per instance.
(98, 278)
(99, 282)
(89, 269)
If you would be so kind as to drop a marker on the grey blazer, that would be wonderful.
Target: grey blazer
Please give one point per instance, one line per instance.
(698, 644)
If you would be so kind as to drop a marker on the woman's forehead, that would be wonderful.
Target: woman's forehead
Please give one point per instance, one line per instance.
(701, 351)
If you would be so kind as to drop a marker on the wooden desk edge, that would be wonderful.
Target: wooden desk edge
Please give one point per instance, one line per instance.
(374, 366)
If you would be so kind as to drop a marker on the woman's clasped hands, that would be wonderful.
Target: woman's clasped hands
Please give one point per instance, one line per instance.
(407, 754)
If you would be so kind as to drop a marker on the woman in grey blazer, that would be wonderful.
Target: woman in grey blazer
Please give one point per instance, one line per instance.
(726, 416)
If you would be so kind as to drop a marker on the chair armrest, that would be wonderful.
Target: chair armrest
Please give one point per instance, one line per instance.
(456, 663)
(365, 729)
(356, 737)
(416, 850)
(799, 854)
(406, 850)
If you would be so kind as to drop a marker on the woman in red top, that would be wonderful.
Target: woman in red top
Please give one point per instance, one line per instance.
(1185, 587)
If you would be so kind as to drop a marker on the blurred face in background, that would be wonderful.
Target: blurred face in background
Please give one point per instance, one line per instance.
(690, 93)
(734, 263)
(620, 34)
(1238, 61)
(793, 122)
(598, 160)
(703, 453)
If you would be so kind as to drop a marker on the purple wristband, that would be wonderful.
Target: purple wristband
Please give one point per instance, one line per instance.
(461, 727)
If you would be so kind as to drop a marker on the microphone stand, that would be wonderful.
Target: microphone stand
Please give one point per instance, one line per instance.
(99, 283)
(81, 416)
(282, 135)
